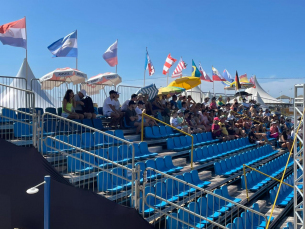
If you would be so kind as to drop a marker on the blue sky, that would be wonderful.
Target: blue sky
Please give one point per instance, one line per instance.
(260, 37)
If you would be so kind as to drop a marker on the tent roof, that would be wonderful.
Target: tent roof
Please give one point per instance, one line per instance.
(263, 94)
(283, 97)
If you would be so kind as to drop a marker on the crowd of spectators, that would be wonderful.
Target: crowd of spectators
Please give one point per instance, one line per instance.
(227, 120)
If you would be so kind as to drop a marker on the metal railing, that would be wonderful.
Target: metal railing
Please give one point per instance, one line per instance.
(87, 156)
(164, 198)
(126, 91)
(181, 131)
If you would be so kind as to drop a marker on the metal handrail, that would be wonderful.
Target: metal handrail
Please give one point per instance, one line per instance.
(204, 190)
(142, 132)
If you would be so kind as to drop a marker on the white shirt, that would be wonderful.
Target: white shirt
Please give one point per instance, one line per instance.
(246, 104)
(117, 104)
(125, 105)
(206, 104)
(231, 116)
(139, 113)
(106, 108)
(174, 122)
(266, 114)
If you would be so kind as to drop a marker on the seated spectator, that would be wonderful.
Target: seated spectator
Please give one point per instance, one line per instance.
(220, 103)
(288, 123)
(267, 113)
(180, 100)
(109, 109)
(166, 113)
(213, 104)
(132, 117)
(190, 102)
(238, 132)
(86, 110)
(257, 138)
(205, 120)
(139, 110)
(253, 111)
(206, 102)
(234, 106)
(247, 125)
(285, 141)
(231, 115)
(184, 106)
(134, 98)
(117, 104)
(163, 100)
(148, 105)
(228, 100)
(245, 104)
(174, 102)
(157, 106)
(196, 119)
(274, 131)
(216, 130)
(68, 104)
(224, 129)
(178, 121)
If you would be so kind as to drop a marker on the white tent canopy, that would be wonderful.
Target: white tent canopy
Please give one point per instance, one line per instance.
(259, 100)
(196, 94)
(263, 94)
(15, 99)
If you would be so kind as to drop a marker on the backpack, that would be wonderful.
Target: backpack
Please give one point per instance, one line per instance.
(88, 105)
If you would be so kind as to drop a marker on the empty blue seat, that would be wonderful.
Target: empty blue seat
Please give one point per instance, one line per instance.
(120, 134)
(104, 181)
(163, 133)
(170, 132)
(113, 154)
(63, 127)
(38, 110)
(73, 163)
(75, 140)
(97, 124)
(50, 126)
(148, 133)
(102, 152)
(172, 222)
(125, 154)
(196, 180)
(22, 116)
(99, 140)
(169, 164)
(206, 208)
(170, 144)
(51, 110)
(156, 132)
(109, 139)
(21, 130)
(8, 115)
(87, 140)
(63, 147)
(144, 149)
(160, 165)
(45, 147)
(225, 193)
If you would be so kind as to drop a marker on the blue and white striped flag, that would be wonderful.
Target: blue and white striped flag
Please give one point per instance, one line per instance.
(151, 90)
(65, 47)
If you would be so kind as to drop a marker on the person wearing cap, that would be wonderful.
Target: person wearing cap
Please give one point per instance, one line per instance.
(274, 130)
(206, 101)
(245, 104)
(79, 105)
(109, 109)
(131, 117)
(125, 104)
(288, 123)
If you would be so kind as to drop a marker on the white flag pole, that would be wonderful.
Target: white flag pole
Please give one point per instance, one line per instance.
(26, 54)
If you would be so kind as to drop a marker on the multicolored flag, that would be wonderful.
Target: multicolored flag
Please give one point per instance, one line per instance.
(204, 76)
(237, 83)
(65, 47)
(227, 77)
(111, 54)
(14, 33)
(243, 78)
(178, 70)
(195, 70)
(216, 76)
(252, 81)
(149, 65)
(168, 63)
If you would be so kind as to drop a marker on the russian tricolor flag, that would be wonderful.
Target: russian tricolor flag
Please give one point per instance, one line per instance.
(14, 33)
(111, 54)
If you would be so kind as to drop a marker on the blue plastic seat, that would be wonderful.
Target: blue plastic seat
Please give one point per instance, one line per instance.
(160, 189)
(196, 180)
(51, 110)
(117, 181)
(73, 163)
(21, 130)
(120, 134)
(97, 124)
(221, 204)
(225, 193)
(205, 209)
(144, 149)
(156, 132)
(109, 139)
(125, 154)
(169, 164)
(187, 177)
(137, 153)
(102, 152)
(196, 221)
(170, 144)
(104, 181)
(178, 145)
(99, 140)
(113, 154)
(8, 115)
(38, 110)
(163, 131)
(63, 127)
(50, 126)
(87, 140)
(171, 190)
(149, 133)
(87, 122)
(182, 189)
(160, 165)
(75, 140)
(24, 117)
(63, 147)
(170, 131)
(171, 221)
(45, 149)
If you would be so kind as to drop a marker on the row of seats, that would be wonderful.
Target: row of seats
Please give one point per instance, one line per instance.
(206, 153)
(121, 155)
(85, 140)
(286, 193)
(159, 132)
(233, 164)
(289, 225)
(171, 190)
(208, 207)
(248, 220)
(112, 183)
(7, 114)
(185, 142)
(273, 168)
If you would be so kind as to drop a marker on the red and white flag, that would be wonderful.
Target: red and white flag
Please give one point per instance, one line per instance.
(178, 71)
(204, 76)
(13, 33)
(168, 63)
(149, 65)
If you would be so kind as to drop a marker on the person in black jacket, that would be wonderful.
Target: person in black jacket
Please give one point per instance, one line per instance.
(79, 109)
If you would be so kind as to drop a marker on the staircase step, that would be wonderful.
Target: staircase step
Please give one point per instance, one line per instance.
(155, 149)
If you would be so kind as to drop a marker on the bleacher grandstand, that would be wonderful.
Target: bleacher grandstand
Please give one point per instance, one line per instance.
(169, 184)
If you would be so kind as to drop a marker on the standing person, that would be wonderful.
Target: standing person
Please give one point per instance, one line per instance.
(80, 104)
(68, 105)
(109, 109)
(125, 104)
(131, 117)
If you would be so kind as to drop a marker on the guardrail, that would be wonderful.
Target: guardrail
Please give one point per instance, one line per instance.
(172, 197)
(142, 132)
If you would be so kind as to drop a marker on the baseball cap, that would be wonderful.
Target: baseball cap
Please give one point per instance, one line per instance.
(222, 116)
(112, 92)
(216, 119)
(83, 92)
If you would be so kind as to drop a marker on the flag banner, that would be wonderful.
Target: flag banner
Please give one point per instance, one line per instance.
(237, 84)
(204, 76)
(65, 47)
(216, 76)
(195, 70)
(178, 70)
(149, 65)
(252, 81)
(168, 63)
(14, 34)
(227, 77)
(111, 54)
(243, 78)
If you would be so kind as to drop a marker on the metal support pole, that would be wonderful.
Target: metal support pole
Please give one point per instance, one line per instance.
(47, 179)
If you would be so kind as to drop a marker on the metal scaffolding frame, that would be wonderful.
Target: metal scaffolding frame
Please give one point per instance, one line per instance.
(299, 105)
